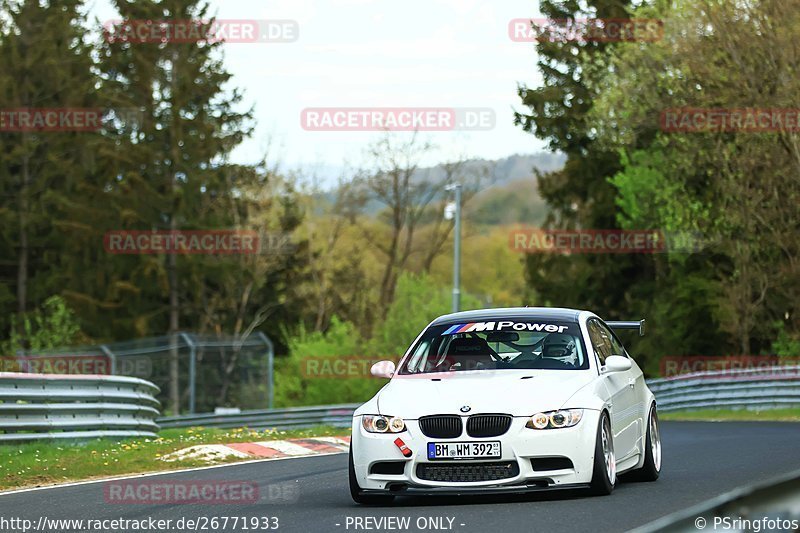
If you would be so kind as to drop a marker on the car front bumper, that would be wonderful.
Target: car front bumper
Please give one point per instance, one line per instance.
(527, 454)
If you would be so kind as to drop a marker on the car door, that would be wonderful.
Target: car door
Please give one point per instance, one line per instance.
(621, 387)
(633, 382)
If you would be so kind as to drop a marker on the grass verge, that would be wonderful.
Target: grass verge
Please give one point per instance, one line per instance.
(47, 462)
(718, 415)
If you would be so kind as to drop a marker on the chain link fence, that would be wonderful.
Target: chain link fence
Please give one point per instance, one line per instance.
(196, 373)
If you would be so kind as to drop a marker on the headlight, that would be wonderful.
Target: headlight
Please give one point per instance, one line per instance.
(383, 424)
(555, 419)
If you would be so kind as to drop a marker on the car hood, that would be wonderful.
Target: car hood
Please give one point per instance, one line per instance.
(518, 393)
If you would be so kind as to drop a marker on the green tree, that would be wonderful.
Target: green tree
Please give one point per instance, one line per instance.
(46, 64)
(785, 345)
(52, 326)
(737, 189)
(175, 164)
(303, 378)
(417, 302)
(579, 195)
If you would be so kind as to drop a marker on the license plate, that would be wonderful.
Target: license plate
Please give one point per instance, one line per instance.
(464, 450)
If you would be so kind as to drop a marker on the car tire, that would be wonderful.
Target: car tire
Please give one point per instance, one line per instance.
(604, 474)
(651, 468)
(355, 490)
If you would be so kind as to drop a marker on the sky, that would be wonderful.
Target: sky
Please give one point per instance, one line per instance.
(375, 53)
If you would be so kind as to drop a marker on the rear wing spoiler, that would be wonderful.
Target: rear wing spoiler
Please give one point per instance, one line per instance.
(627, 324)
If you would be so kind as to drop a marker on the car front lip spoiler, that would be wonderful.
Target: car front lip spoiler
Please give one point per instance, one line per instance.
(412, 490)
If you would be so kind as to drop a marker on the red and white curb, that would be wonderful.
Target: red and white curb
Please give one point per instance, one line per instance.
(271, 449)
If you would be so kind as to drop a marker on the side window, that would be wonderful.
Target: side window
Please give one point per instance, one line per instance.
(600, 341)
(616, 346)
(415, 362)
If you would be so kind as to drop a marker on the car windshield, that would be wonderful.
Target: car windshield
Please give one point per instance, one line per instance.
(497, 345)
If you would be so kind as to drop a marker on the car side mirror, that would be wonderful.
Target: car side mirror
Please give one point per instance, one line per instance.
(383, 369)
(616, 363)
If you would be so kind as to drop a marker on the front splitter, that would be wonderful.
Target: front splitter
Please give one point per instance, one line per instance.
(414, 490)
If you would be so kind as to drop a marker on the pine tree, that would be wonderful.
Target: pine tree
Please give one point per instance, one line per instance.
(579, 195)
(46, 64)
(177, 157)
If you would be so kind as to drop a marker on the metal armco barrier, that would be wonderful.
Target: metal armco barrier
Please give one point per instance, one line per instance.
(291, 418)
(761, 388)
(751, 388)
(777, 499)
(57, 406)
(50, 406)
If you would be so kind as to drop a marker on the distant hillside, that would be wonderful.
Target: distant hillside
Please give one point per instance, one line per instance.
(516, 202)
(514, 196)
(511, 198)
(518, 167)
(512, 168)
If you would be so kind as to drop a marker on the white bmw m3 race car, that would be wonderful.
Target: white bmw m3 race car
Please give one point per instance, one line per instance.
(507, 400)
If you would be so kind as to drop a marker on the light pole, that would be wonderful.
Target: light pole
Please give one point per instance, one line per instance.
(455, 212)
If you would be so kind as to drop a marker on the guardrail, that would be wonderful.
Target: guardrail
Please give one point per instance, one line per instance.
(762, 388)
(290, 418)
(43, 406)
(150, 358)
(751, 388)
(770, 506)
(58, 406)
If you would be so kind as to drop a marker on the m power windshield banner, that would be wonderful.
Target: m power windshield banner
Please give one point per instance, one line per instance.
(505, 325)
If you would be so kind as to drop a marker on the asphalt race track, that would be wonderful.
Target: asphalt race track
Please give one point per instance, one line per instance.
(701, 460)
